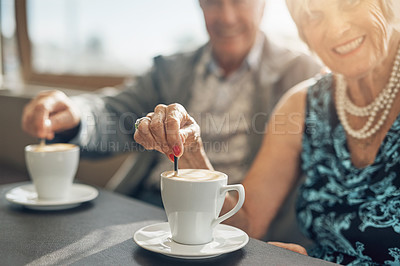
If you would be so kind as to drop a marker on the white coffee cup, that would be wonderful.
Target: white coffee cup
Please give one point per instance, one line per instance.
(193, 200)
(52, 169)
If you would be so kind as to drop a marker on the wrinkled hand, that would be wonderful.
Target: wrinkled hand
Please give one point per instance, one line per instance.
(53, 106)
(292, 247)
(168, 130)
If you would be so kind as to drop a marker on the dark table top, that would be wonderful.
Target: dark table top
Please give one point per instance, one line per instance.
(11, 175)
(100, 233)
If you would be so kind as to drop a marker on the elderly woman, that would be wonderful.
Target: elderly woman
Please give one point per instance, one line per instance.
(342, 130)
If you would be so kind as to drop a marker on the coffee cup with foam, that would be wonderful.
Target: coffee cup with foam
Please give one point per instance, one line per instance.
(193, 200)
(52, 168)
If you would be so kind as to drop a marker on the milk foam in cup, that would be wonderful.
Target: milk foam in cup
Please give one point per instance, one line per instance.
(52, 169)
(193, 200)
(195, 175)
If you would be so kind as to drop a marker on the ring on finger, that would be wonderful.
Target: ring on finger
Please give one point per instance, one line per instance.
(140, 120)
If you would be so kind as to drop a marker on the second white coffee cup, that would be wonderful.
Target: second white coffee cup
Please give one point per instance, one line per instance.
(193, 200)
(52, 169)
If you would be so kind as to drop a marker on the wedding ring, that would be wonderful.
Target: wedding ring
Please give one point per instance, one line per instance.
(140, 120)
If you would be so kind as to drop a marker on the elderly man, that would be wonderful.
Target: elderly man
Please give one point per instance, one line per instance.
(230, 86)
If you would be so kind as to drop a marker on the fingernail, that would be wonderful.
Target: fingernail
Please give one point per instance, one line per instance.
(176, 150)
(171, 157)
(47, 123)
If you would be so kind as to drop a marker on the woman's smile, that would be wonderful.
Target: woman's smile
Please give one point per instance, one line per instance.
(349, 47)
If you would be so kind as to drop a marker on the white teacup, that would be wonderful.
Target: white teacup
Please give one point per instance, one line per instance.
(193, 200)
(52, 169)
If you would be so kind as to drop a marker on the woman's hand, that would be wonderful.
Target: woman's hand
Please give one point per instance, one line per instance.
(169, 130)
(49, 112)
(292, 247)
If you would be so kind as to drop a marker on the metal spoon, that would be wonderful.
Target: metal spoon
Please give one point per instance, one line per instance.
(176, 165)
(47, 124)
(42, 142)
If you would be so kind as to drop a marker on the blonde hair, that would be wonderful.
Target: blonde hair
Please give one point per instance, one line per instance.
(390, 9)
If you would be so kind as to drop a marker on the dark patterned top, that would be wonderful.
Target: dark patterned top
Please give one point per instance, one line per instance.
(352, 214)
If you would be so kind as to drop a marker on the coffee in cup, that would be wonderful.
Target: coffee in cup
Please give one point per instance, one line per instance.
(193, 200)
(53, 147)
(52, 169)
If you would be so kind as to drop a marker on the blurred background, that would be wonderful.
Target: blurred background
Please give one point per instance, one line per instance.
(86, 45)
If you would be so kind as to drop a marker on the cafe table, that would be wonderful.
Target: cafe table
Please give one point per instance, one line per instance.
(100, 232)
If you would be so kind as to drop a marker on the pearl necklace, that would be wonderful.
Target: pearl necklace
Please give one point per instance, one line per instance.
(382, 102)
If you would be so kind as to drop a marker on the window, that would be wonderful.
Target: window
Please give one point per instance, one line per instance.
(9, 53)
(109, 37)
(96, 43)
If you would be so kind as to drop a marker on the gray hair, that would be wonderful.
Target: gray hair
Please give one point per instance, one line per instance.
(390, 8)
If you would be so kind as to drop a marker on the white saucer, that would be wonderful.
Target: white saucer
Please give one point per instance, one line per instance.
(157, 238)
(26, 195)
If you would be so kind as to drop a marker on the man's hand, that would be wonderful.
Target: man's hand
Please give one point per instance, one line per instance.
(53, 106)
